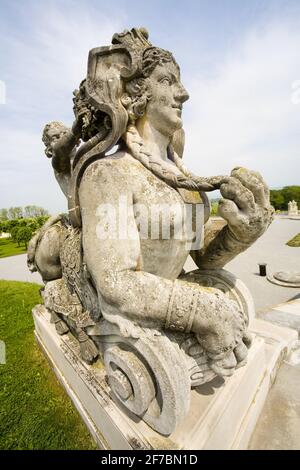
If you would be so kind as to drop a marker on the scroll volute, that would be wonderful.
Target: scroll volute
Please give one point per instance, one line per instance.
(107, 67)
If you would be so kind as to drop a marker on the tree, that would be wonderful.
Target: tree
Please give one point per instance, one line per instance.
(28, 212)
(280, 198)
(10, 224)
(4, 226)
(15, 212)
(14, 234)
(41, 220)
(291, 193)
(35, 211)
(41, 212)
(3, 214)
(277, 199)
(214, 208)
(24, 235)
(32, 223)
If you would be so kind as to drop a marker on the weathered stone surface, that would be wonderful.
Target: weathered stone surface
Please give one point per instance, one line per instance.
(286, 314)
(293, 208)
(222, 413)
(279, 425)
(113, 268)
(285, 278)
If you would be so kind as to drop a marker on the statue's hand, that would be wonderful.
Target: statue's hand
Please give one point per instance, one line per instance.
(246, 205)
(223, 334)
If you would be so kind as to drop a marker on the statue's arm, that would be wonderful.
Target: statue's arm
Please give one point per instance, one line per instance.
(246, 209)
(125, 289)
(220, 246)
(61, 160)
(62, 150)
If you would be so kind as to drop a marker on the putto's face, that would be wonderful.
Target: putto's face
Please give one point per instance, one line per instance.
(167, 97)
(55, 133)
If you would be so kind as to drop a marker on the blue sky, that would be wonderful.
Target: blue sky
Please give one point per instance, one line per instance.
(239, 61)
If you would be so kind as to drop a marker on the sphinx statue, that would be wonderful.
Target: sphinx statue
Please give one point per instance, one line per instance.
(113, 267)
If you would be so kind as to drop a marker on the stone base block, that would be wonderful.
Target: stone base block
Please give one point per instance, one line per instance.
(222, 415)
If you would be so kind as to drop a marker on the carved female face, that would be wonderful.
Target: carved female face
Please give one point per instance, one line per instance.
(167, 96)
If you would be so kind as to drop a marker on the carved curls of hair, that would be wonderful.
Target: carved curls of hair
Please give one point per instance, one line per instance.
(135, 98)
(137, 91)
(48, 140)
(91, 118)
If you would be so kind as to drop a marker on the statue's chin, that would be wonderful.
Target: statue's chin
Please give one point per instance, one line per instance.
(173, 126)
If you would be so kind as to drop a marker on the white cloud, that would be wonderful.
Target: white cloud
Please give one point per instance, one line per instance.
(47, 61)
(43, 64)
(245, 115)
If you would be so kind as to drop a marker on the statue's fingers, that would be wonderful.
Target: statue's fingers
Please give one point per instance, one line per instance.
(255, 185)
(254, 182)
(241, 352)
(247, 339)
(266, 187)
(229, 211)
(238, 193)
(256, 173)
(227, 207)
(226, 366)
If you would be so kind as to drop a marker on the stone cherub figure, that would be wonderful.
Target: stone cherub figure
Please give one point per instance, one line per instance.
(125, 297)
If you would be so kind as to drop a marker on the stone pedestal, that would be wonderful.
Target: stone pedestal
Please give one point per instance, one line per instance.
(222, 415)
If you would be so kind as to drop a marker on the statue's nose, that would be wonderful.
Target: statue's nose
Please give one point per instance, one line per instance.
(182, 94)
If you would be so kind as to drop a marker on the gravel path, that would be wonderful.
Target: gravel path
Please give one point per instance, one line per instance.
(14, 268)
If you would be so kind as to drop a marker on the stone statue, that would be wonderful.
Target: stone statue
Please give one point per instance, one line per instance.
(119, 288)
(292, 208)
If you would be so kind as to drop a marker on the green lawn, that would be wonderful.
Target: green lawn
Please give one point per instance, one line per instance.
(294, 241)
(9, 248)
(35, 412)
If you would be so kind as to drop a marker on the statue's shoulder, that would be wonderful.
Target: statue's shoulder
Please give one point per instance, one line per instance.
(114, 164)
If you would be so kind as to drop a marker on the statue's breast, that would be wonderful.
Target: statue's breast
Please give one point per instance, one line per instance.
(169, 221)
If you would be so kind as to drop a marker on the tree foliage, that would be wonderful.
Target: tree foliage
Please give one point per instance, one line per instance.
(214, 207)
(22, 229)
(281, 197)
(13, 213)
(23, 235)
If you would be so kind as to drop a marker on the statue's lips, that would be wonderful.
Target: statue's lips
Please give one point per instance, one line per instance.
(177, 106)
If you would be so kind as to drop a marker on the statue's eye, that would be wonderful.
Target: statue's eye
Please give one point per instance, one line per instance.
(166, 81)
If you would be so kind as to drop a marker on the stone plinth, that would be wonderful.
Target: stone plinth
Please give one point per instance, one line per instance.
(222, 415)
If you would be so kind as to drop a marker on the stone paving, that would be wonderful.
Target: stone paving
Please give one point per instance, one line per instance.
(278, 427)
(271, 248)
